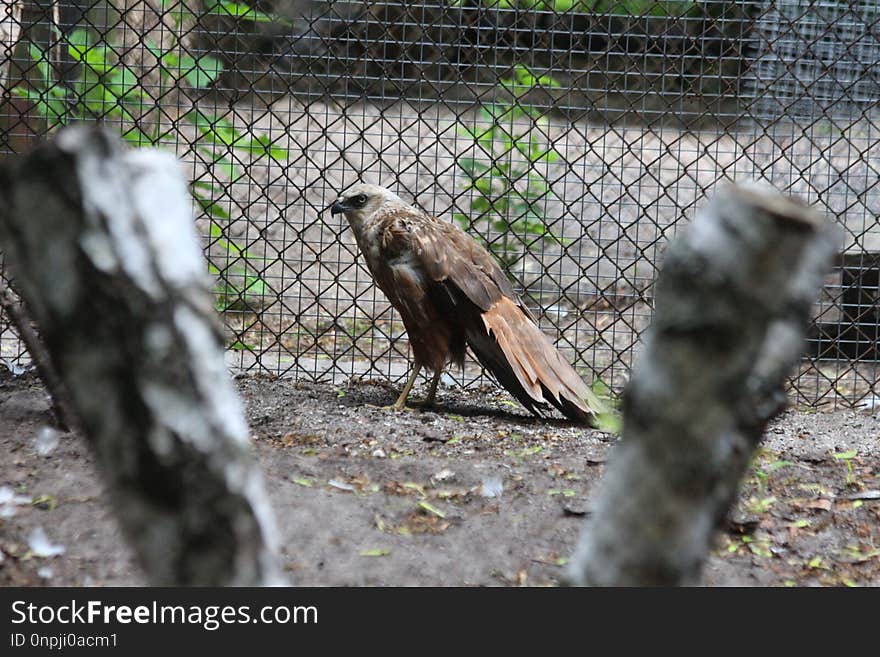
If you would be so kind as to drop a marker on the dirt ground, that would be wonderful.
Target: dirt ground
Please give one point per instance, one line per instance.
(474, 493)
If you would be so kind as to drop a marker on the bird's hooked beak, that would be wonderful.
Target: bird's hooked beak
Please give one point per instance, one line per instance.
(338, 207)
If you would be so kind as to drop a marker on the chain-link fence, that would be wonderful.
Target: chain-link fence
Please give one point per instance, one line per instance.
(572, 136)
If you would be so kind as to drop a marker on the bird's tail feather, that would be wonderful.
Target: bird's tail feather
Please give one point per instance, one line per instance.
(527, 364)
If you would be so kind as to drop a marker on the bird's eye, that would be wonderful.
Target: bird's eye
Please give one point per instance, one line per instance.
(360, 200)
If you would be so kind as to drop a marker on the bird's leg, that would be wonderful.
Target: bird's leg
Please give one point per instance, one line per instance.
(400, 404)
(432, 391)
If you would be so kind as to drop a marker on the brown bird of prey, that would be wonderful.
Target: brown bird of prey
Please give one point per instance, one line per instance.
(452, 294)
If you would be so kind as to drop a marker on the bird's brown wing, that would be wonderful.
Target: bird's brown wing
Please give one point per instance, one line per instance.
(464, 281)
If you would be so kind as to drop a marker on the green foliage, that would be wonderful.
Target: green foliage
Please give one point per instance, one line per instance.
(638, 7)
(510, 189)
(106, 89)
(229, 8)
(847, 457)
(673, 8)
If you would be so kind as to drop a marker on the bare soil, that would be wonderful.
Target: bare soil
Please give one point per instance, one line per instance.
(364, 496)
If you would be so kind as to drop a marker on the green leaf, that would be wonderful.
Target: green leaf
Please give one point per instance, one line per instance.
(481, 204)
(43, 66)
(484, 185)
(211, 207)
(124, 82)
(255, 285)
(171, 60)
(51, 110)
(485, 139)
(561, 6)
(216, 233)
(462, 220)
(78, 42)
(100, 58)
(220, 160)
(279, 154)
(430, 508)
(565, 492)
(376, 552)
(200, 120)
(202, 72)
(136, 137)
(233, 9)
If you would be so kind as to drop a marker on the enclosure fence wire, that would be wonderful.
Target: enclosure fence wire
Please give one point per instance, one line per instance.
(573, 138)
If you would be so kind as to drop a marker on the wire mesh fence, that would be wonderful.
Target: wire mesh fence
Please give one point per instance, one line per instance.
(573, 137)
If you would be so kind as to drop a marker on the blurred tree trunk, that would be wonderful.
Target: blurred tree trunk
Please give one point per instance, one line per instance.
(104, 250)
(732, 305)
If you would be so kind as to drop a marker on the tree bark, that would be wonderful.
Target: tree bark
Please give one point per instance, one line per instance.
(732, 302)
(104, 251)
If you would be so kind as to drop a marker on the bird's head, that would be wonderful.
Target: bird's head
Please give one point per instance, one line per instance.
(361, 202)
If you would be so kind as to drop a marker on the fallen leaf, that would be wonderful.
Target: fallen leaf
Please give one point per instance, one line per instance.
(376, 552)
(552, 559)
(45, 502)
(447, 494)
(341, 485)
(422, 523)
(308, 483)
(411, 485)
(430, 508)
